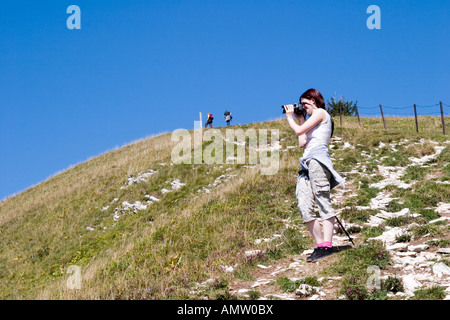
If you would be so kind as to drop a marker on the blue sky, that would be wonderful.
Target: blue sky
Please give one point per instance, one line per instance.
(138, 68)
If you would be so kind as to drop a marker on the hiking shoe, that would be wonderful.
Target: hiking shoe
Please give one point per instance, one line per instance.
(320, 253)
(310, 258)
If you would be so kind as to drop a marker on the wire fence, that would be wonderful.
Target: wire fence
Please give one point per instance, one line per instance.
(439, 109)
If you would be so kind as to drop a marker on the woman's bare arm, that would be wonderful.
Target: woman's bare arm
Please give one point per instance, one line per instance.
(302, 137)
(313, 120)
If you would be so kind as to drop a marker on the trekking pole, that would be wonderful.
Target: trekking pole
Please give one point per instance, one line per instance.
(343, 229)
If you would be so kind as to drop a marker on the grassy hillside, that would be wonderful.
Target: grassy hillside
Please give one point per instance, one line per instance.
(194, 241)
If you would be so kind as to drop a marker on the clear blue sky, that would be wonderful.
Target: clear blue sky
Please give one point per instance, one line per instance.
(138, 68)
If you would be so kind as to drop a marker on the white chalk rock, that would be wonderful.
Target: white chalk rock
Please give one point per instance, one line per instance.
(441, 268)
(401, 247)
(418, 248)
(389, 236)
(443, 250)
(410, 284)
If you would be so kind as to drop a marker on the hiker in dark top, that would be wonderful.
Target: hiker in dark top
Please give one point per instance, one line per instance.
(209, 120)
(228, 117)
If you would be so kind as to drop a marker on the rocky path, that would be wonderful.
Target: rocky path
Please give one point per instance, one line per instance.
(294, 268)
(416, 262)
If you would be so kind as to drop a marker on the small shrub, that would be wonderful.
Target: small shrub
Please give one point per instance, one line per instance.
(405, 237)
(254, 294)
(393, 284)
(286, 284)
(354, 288)
(312, 281)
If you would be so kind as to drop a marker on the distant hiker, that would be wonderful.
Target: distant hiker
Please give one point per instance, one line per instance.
(228, 117)
(209, 120)
(317, 175)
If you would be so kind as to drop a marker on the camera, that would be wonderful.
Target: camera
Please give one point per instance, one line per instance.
(298, 109)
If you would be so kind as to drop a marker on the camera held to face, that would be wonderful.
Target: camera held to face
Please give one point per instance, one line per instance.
(298, 110)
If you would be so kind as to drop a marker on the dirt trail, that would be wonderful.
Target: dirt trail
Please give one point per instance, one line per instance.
(293, 267)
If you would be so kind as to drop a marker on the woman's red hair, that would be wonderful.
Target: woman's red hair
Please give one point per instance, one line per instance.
(314, 93)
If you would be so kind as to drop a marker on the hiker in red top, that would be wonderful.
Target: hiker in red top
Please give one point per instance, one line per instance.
(209, 120)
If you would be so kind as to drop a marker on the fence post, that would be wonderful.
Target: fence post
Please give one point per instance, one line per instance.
(442, 117)
(382, 115)
(415, 116)
(357, 114)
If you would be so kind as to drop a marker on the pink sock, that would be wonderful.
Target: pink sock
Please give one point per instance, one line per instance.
(325, 244)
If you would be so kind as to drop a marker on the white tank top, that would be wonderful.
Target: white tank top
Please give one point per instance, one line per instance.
(319, 135)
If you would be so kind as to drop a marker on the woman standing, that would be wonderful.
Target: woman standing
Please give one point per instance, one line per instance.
(317, 175)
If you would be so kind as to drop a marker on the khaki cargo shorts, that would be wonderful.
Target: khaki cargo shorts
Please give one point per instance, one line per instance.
(312, 188)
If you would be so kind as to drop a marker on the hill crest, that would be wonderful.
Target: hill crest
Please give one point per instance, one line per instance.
(139, 226)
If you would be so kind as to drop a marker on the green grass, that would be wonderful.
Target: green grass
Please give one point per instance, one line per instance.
(393, 284)
(288, 285)
(254, 294)
(424, 194)
(399, 221)
(354, 215)
(444, 243)
(359, 258)
(363, 197)
(415, 173)
(166, 250)
(434, 293)
(405, 237)
(429, 229)
(373, 232)
(353, 266)
(294, 242)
